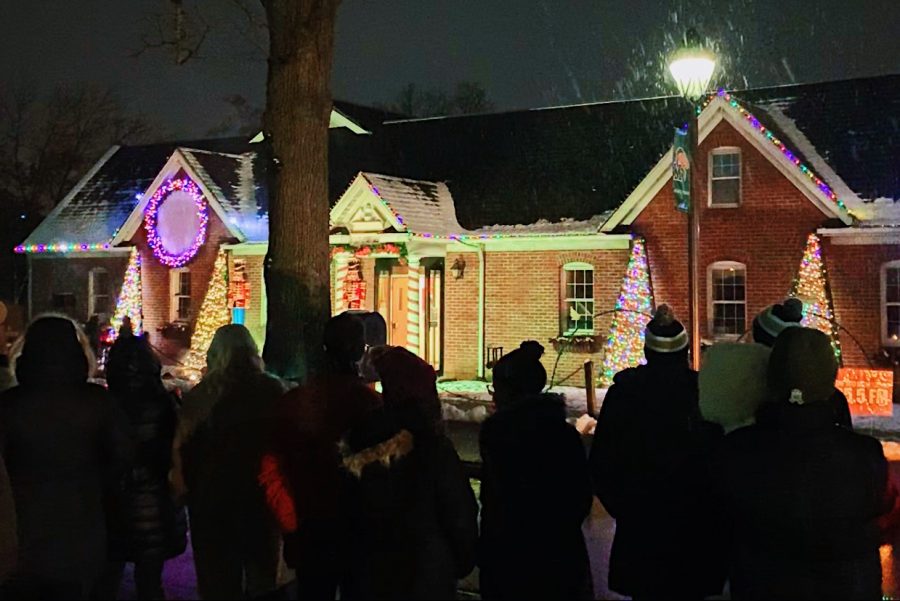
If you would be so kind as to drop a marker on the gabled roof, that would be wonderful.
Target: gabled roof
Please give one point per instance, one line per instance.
(406, 205)
(233, 180)
(97, 207)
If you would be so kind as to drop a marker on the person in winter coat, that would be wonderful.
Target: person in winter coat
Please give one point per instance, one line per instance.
(409, 513)
(649, 468)
(804, 494)
(775, 319)
(303, 465)
(6, 376)
(733, 384)
(65, 446)
(535, 489)
(147, 527)
(224, 424)
(9, 541)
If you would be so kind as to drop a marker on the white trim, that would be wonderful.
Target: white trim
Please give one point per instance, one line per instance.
(351, 201)
(717, 110)
(541, 243)
(882, 303)
(710, 308)
(720, 150)
(176, 161)
(75, 190)
(113, 251)
(92, 293)
(564, 299)
(853, 236)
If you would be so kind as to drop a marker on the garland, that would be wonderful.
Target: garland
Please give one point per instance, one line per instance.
(151, 218)
(360, 252)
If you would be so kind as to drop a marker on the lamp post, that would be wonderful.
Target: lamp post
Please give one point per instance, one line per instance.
(692, 67)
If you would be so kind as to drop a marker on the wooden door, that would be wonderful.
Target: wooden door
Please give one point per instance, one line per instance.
(397, 311)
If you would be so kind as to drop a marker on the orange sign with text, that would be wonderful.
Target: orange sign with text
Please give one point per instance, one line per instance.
(868, 391)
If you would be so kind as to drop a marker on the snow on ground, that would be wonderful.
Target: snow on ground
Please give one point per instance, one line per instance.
(470, 401)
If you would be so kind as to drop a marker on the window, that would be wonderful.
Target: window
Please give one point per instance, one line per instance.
(577, 299)
(98, 292)
(890, 303)
(725, 177)
(180, 285)
(728, 299)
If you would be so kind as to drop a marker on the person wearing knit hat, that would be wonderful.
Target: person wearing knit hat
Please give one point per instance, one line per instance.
(774, 319)
(733, 384)
(803, 493)
(649, 471)
(535, 489)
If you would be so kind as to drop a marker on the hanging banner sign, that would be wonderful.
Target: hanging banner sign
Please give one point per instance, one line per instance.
(868, 391)
(681, 170)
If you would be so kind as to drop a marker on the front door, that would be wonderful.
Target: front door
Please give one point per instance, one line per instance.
(398, 310)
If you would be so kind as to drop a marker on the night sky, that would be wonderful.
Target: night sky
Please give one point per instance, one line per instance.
(526, 53)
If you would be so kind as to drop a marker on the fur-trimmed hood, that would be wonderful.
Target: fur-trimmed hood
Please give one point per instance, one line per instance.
(396, 447)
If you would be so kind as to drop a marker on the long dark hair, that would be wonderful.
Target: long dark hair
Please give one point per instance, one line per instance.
(53, 352)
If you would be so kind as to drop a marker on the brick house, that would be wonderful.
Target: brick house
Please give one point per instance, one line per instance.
(470, 234)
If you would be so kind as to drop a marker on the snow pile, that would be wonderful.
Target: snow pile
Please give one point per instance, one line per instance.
(470, 401)
(545, 227)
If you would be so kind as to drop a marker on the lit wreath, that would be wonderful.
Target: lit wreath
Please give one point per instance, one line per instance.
(152, 213)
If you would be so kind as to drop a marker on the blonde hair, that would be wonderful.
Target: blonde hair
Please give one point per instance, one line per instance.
(16, 350)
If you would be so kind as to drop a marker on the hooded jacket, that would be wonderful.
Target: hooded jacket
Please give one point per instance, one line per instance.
(535, 494)
(409, 515)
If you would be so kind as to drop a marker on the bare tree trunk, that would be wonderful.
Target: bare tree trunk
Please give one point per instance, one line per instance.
(298, 105)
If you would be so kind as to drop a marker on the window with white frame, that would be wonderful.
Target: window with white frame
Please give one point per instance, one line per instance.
(99, 297)
(180, 287)
(725, 177)
(727, 299)
(577, 299)
(890, 303)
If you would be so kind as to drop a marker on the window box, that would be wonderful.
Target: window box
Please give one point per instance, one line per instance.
(576, 343)
(177, 331)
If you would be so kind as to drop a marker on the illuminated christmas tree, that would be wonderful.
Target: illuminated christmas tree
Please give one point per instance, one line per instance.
(212, 316)
(811, 287)
(129, 302)
(625, 345)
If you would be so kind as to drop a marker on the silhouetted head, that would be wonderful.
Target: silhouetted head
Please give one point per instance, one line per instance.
(409, 386)
(232, 352)
(54, 351)
(519, 374)
(775, 319)
(802, 367)
(132, 366)
(345, 342)
(665, 339)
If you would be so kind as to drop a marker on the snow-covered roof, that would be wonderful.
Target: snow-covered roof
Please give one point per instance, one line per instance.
(544, 227)
(421, 207)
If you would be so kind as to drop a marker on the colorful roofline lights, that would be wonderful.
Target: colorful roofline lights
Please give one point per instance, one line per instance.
(824, 188)
(151, 217)
(61, 247)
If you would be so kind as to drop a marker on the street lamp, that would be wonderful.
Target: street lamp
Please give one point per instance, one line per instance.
(692, 67)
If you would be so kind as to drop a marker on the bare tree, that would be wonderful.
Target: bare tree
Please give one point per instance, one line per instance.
(468, 97)
(47, 142)
(298, 106)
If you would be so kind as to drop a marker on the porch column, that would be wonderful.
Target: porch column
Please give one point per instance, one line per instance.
(412, 305)
(340, 274)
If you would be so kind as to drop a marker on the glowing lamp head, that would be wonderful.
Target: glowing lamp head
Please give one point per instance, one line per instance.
(692, 67)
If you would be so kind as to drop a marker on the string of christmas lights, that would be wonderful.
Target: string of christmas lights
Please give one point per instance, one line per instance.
(212, 316)
(129, 304)
(151, 217)
(811, 287)
(625, 344)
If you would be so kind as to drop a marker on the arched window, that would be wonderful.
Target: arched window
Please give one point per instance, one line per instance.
(577, 299)
(725, 177)
(890, 303)
(727, 299)
(99, 297)
(180, 294)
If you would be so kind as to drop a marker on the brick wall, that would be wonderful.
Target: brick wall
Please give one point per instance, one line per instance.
(56, 274)
(767, 232)
(156, 287)
(855, 276)
(522, 301)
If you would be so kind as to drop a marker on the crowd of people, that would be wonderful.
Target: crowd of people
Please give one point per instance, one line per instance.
(748, 473)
